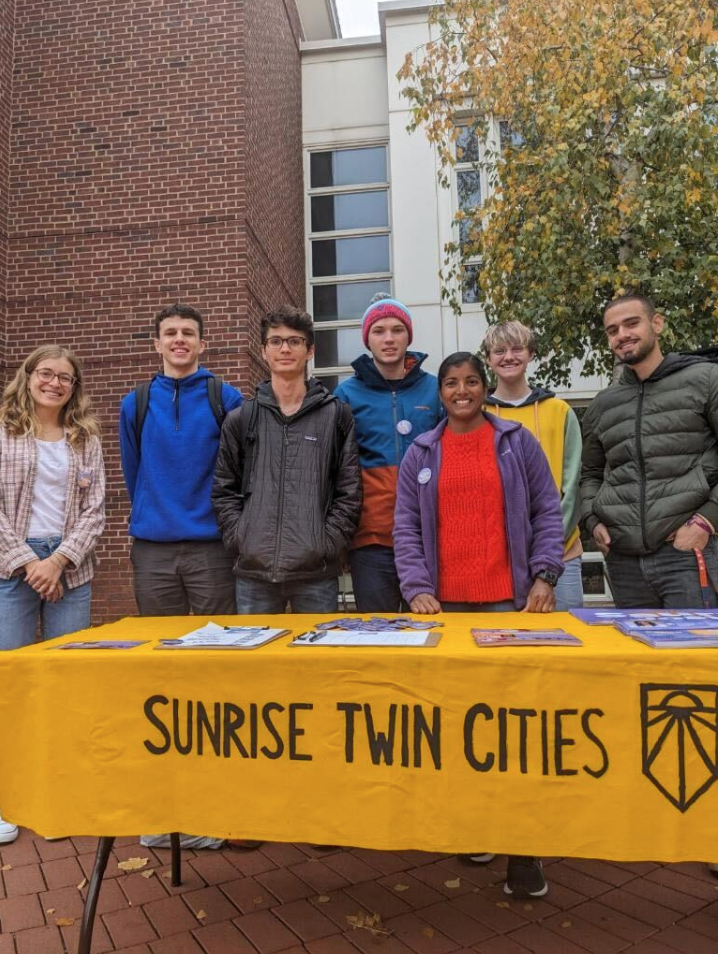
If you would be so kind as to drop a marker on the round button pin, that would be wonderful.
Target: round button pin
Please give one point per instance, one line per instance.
(405, 427)
(424, 476)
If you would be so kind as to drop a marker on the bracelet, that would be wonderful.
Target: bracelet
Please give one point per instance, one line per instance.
(698, 520)
(58, 561)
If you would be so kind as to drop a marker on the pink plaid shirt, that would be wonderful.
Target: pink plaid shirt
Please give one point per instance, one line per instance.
(84, 507)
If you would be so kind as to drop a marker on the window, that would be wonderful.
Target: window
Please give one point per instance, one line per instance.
(470, 189)
(348, 250)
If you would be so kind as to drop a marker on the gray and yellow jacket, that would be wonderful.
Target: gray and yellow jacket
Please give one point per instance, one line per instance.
(650, 453)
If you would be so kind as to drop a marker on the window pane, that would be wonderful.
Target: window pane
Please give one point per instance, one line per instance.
(468, 189)
(334, 347)
(342, 302)
(467, 145)
(331, 381)
(351, 256)
(594, 583)
(470, 288)
(347, 166)
(351, 210)
(509, 137)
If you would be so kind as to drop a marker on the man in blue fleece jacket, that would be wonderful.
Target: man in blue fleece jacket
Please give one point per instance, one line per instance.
(179, 561)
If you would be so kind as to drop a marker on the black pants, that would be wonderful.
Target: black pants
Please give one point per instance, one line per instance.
(174, 579)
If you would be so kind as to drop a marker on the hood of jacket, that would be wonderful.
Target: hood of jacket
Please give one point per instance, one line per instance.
(316, 396)
(671, 363)
(536, 395)
(366, 371)
(185, 384)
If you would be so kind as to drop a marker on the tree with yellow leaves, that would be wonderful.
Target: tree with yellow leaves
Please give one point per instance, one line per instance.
(606, 175)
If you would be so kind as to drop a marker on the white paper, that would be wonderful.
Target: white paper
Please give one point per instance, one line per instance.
(212, 635)
(361, 637)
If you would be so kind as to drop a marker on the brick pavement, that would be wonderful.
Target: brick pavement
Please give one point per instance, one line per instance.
(293, 899)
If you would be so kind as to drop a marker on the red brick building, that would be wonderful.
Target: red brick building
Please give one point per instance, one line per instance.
(150, 151)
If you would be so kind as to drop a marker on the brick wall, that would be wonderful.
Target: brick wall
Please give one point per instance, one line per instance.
(7, 11)
(138, 176)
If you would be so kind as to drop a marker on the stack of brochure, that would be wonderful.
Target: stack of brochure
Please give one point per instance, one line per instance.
(660, 629)
(524, 637)
(674, 638)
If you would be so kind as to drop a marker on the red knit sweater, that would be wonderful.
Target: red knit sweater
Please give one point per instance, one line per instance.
(473, 553)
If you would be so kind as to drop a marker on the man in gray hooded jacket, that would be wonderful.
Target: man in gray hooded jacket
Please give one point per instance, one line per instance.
(649, 492)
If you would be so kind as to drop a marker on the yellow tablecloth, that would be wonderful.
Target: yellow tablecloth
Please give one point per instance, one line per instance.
(608, 750)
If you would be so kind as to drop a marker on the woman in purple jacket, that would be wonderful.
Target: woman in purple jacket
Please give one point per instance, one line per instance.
(478, 521)
(478, 527)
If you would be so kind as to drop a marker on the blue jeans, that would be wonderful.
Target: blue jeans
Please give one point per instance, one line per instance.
(374, 579)
(21, 606)
(666, 579)
(306, 596)
(569, 589)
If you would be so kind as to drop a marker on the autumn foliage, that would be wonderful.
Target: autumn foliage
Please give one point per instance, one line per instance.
(608, 175)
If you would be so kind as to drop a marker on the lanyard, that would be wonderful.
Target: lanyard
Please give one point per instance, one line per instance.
(703, 579)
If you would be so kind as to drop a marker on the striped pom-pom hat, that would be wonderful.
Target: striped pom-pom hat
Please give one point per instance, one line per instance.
(384, 306)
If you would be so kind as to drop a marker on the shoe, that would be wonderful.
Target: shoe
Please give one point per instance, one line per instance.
(713, 868)
(524, 877)
(8, 832)
(243, 844)
(479, 857)
(186, 841)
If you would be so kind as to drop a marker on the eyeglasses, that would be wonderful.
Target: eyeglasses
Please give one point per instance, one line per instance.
(502, 352)
(47, 377)
(276, 341)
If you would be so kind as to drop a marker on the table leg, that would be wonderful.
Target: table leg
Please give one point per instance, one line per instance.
(176, 859)
(93, 892)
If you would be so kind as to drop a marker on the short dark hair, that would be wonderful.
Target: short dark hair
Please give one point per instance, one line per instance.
(182, 311)
(463, 357)
(646, 303)
(291, 317)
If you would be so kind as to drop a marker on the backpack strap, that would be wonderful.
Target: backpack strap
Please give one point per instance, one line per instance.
(142, 401)
(214, 393)
(342, 423)
(247, 439)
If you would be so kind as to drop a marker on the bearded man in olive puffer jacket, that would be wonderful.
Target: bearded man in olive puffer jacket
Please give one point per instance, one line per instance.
(649, 492)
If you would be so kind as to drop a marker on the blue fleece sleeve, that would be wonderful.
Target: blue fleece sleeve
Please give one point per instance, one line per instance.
(129, 451)
(231, 397)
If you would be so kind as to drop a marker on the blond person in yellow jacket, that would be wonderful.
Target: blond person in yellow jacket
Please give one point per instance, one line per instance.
(509, 347)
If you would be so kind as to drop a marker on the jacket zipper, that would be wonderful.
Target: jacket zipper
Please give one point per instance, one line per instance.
(397, 438)
(282, 468)
(641, 465)
(175, 399)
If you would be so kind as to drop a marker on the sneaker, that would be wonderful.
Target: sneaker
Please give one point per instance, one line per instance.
(186, 841)
(8, 832)
(524, 877)
(244, 844)
(479, 857)
(713, 868)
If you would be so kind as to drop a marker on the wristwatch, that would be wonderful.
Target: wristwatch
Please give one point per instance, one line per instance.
(548, 576)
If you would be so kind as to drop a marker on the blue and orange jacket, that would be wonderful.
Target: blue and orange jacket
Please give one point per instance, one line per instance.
(378, 406)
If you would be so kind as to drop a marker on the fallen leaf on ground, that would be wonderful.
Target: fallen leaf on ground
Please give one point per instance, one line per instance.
(167, 874)
(132, 864)
(323, 899)
(64, 922)
(453, 883)
(566, 923)
(503, 904)
(82, 884)
(147, 874)
(6, 868)
(401, 887)
(50, 910)
(528, 907)
(428, 931)
(368, 922)
(200, 915)
(257, 900)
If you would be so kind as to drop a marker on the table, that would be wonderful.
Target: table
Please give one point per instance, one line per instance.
(607, 750)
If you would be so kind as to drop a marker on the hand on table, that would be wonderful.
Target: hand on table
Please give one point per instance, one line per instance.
(425, 603)
(541, 598)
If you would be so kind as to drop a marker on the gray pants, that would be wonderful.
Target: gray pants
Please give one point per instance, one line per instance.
(174, 579)
(666, 579)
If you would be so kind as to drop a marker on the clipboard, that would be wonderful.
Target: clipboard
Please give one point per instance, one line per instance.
(389, 639)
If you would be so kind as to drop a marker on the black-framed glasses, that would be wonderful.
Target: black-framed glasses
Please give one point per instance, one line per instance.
(275, 342)
(47, 377)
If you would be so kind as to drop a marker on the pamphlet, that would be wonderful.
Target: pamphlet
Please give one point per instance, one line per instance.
(102, 644)
(213, 636)
(524, 637)
(652, 617)
(367, 637)
(644, 624)
(677, 638)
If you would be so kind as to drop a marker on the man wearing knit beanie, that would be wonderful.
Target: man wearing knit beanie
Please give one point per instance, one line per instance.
(393, 401)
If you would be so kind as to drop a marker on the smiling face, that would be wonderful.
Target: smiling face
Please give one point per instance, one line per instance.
(51, 395)
(286, 352)
(632, 334)
(180, 346)
(462, 394)
(509, 362)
